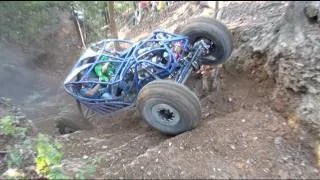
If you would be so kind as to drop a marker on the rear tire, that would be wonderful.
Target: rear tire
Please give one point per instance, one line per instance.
(169, 107)
(214, 31)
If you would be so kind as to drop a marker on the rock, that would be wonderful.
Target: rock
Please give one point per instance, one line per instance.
(85, 157)
(14, 109)
(20, 118)
(243, 120)
(309, 112)
(170, 143)
(207, 115)
(149, 173)
(13, 173)
(311, 11)
(285, 158)
(104, 147)
(19, 113)
(317, 153)
(278, 140)
(274, 129)
(5, 100)
(279, 104)
(250, 161)
(232, 147)
(244, 134)
(294, 121)
(240, 165)
(283, 174)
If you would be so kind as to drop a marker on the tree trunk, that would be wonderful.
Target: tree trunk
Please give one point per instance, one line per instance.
(106, 18)
(113, 27)
(134, 5)
(80, 32)
(216, 9)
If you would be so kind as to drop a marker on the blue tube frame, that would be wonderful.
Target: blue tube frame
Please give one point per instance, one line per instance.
(129, 60)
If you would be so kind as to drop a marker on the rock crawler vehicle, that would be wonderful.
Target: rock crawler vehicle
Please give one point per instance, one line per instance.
(150, 74)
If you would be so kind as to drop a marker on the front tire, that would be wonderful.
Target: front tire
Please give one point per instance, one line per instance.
(169, 107)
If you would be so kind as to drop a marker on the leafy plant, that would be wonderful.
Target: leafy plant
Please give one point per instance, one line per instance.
(14, 158)
(8, 127)
(123, 6)
(20, 155)
(88, 169)
(48, 159)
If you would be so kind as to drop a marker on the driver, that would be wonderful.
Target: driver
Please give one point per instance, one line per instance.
(104, 71)
(89, 90)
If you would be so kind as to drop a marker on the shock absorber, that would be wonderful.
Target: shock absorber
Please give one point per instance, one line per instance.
(199, 48)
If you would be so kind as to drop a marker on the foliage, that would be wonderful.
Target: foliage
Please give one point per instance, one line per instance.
(19, 155)
(95, 16)
(22, 21)
(123, 6)
(88, 169)
(94, 19)
(48, 159)
(8, 127)
(14, 158)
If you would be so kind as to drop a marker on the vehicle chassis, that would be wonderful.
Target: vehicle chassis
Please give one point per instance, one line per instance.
(131, 62)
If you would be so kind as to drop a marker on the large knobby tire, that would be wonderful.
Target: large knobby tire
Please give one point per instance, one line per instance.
(214, 31)
(169, 107)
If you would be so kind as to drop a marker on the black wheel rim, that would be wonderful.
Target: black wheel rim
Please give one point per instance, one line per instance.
(212, 49)
(165, 114)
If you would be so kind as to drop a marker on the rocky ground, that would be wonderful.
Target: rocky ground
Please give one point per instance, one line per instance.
(244, 132)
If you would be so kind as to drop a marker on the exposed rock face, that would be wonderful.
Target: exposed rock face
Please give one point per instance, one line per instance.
(284, 48)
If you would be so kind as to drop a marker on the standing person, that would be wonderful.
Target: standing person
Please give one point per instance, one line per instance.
(154, 8)
(161, 5)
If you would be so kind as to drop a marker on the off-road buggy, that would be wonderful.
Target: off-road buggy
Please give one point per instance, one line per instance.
(150, 74)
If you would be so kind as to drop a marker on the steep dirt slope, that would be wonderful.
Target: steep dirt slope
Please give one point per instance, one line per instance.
(239, 137)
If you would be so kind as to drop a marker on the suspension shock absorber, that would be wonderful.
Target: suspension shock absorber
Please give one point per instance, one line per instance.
(199, 48)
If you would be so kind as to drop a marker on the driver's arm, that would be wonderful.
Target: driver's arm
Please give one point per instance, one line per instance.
(92, 91)
(104, 68)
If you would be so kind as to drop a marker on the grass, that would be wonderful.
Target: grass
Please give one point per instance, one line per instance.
(9, 128)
